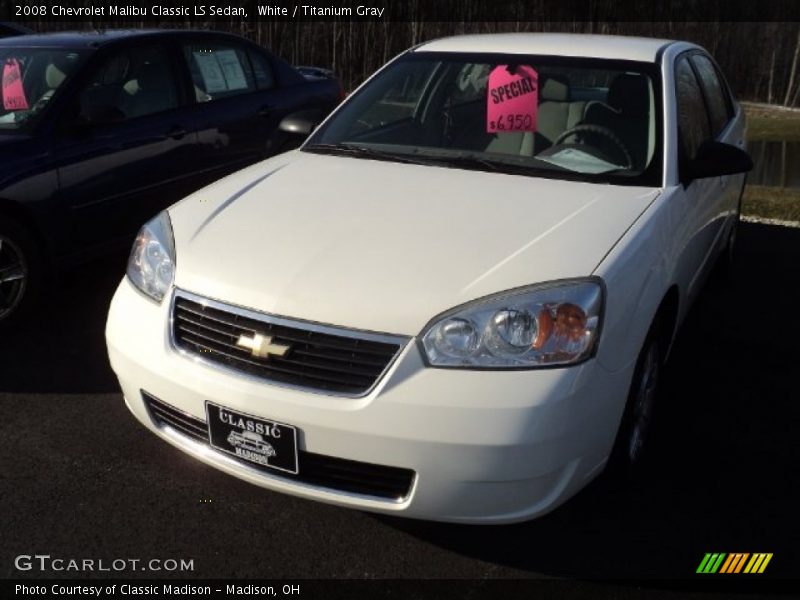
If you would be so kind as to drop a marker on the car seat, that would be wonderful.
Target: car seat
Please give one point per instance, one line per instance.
(54, 76)
(148, 92)
(557, 113)
(626, 114)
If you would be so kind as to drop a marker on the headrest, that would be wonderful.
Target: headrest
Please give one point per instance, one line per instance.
(131, 87)
(554, 90)
(53, 76)
(148, 77)
(630, 94)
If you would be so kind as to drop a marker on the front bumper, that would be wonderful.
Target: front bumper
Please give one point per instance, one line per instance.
(485, 446)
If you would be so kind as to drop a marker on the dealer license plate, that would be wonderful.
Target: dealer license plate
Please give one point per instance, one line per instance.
(256, 441)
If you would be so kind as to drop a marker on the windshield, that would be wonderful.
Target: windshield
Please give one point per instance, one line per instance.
(571, 118)
(31, 77)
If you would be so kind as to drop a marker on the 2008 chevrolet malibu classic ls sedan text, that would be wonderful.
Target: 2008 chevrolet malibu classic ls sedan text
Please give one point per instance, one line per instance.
(454, 301)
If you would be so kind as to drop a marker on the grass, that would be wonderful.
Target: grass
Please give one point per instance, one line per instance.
(769, 122)
(771, 203)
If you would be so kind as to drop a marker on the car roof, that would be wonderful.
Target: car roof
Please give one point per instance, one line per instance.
(553, 44)
(92, 39)
(8, 29)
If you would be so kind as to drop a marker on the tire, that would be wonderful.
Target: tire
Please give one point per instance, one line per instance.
(630, 453)
(20, 272)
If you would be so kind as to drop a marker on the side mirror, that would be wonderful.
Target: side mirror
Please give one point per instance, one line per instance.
(715, 159)
(301, 123)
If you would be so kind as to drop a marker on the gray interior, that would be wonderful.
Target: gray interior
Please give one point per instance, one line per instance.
(626, 113)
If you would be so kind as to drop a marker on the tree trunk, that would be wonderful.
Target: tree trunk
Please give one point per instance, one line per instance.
(783, 164)
(771, 78)
(793, 71)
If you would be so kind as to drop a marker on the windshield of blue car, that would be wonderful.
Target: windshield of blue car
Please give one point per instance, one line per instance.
(560, 117)
(31, 77)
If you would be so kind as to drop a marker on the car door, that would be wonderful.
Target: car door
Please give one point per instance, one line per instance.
(125, 144)
(237, 102)
(698, 202)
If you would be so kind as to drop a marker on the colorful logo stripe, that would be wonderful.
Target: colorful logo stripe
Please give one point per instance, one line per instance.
(735, 562)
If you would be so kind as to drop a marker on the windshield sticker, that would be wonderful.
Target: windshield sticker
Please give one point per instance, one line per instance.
(512, 99)
(211, 72)
(13, 92)
(232, 69)
(578, 161)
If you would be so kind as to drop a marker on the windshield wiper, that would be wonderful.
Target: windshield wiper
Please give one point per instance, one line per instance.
(495, 166)
(364, 152)
(459, 161)
(471, 160)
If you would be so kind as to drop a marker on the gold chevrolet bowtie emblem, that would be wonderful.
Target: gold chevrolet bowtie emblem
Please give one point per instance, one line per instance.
(261, 346)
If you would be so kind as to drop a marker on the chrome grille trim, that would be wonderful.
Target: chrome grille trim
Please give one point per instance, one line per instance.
(343, 477)
(316, 364)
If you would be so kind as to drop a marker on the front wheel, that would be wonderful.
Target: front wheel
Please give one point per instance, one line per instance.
(631, 447)
(20, 273)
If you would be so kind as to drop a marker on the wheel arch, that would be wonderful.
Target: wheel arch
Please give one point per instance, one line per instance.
(662, 328)
(666, 319)
(18, 213)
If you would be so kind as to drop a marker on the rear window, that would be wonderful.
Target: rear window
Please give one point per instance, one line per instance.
(219, 71)
(262, 71)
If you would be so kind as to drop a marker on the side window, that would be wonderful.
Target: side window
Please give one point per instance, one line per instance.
(130, 83)
(262, 70)
(218, 70)
(718, 106)
(693, 128)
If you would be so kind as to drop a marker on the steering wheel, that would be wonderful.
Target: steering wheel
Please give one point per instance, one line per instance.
(604, 132)
(41, 102)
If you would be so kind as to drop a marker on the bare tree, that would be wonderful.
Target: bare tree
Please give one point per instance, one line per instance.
(792, 70)
(760, 59)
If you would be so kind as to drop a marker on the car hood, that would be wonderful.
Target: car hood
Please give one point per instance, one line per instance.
(385, 246)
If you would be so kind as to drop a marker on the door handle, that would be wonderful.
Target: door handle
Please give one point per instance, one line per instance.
(265, 110)
(176, 132)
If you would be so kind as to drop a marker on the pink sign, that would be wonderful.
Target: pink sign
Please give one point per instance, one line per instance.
(512, 99)
(13, 92)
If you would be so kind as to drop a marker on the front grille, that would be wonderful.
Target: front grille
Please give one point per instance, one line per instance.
(321, 358)
(337, 474)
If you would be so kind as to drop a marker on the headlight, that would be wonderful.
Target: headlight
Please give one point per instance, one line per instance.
(151, 266)
(539, 326)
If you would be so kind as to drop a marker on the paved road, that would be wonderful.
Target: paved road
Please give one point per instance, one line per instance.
(80, 478)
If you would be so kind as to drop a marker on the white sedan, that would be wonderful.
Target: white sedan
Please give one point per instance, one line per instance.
(454, 300)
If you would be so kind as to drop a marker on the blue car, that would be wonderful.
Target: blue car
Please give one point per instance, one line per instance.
(100, 131)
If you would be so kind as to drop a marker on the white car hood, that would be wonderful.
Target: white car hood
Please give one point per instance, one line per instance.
(384, 246)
